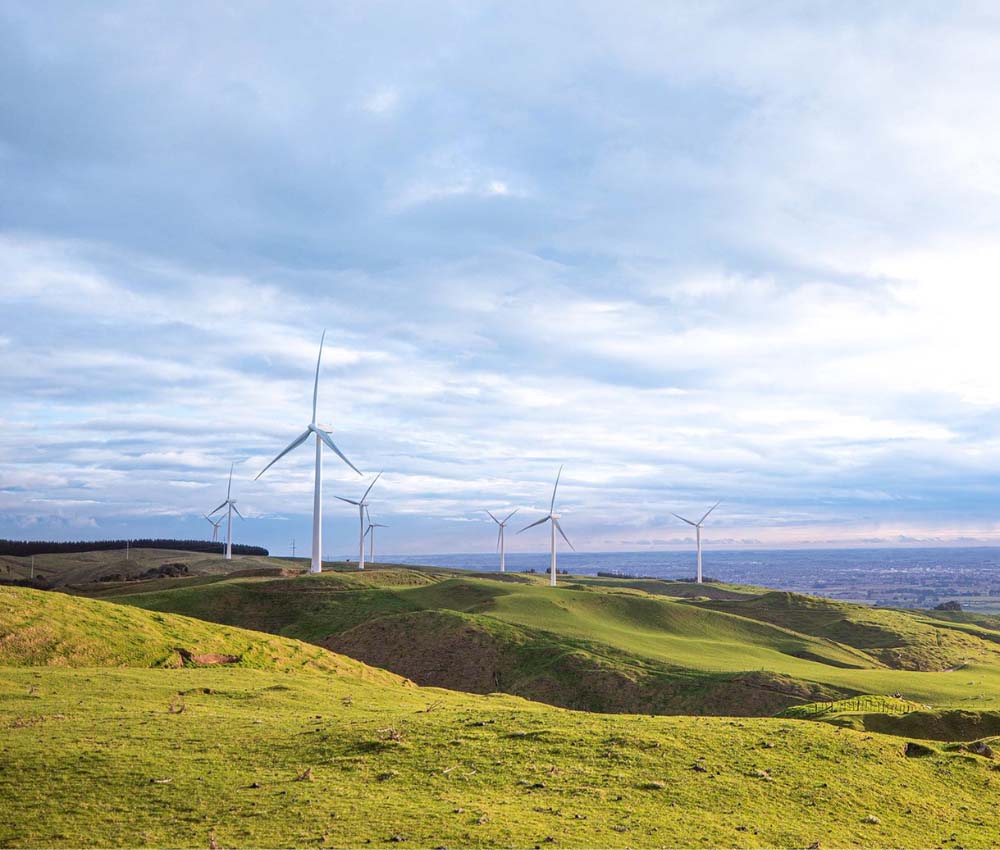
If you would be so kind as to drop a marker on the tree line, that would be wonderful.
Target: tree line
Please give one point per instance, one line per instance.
(50, 547)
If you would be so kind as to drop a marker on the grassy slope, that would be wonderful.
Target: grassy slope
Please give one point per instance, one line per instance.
(80, 753)
(391, 765)
(617, 624)
(40, 628)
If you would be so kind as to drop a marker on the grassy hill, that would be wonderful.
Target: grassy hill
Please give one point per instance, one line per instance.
(76, 568)
(39, 628)
(608, 644)
(284, 753)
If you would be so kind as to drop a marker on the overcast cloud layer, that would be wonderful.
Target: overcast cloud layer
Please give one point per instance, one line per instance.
(692, 251)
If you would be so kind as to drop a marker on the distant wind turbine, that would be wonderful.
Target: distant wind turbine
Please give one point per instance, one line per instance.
(230, 504)
(371, 530)
(500, 540)
(553, 517)
(697, 528)
(322, 436)
(361, 505)
(215, 523)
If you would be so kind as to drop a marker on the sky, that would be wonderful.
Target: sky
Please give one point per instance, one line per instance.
(691, 251)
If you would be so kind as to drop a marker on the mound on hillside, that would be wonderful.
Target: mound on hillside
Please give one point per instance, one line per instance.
(480, 654)
(900, 640)
(944, 725)
(40, 628)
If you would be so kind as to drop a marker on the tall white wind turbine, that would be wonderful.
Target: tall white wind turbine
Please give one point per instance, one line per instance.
(697, 528)
(215, 523)
(553, 517)
(371, 530)
(502, 527)
(322, 436)
(230, 505)
(361, 505)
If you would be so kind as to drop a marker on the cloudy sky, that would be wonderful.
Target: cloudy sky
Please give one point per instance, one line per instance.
(694, 251)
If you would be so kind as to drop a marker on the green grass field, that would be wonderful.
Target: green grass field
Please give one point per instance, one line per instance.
(672, 654)
(101, 747)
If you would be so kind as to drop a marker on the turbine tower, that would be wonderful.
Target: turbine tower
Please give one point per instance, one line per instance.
(322, 436)
(500, 542)
(697, 528)
(362, 505)
(553, 517)
(230, 504)
(215, 523)
(371, 530)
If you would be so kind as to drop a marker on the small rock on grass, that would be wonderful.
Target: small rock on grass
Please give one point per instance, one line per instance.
(914, 750)
(980, 748)
(871, 819)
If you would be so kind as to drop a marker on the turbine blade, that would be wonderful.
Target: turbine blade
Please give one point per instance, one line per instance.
(368, 516)
(377, 477)
(493, 517)
(326, 439)
(349, 501)
(378, 525)
(543, 519)
(220, 508)
(563, 533)
(499, 533)
(229, 489)
(366, 531)
(510, 515)
(238, 512)
(685, 520)
(298, 441)
(316, 382)
(709, 511)
(552, 507)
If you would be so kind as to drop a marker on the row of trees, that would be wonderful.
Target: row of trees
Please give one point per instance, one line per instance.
(48, 547)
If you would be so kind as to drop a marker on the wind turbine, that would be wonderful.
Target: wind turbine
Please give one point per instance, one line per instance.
(697, 528)
(553, 517)
(230, 504)
(215, 523)
(322, 436)
(371, 530)
(362, 505)
(503, 525)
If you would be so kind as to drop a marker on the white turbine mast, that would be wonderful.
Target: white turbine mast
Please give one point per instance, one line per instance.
(371, 530)
(230, 505)
(552, 517)
(362, 506)
(697, 528)
(500, 541)
(215, 523)
(322, 436)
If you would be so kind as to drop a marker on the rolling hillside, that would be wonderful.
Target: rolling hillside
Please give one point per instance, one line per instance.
(75, 568)
(296, 751)
(608, 645)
